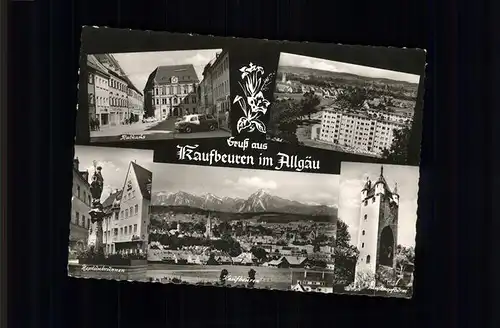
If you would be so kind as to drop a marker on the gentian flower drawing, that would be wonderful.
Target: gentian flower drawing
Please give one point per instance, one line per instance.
(252, 103)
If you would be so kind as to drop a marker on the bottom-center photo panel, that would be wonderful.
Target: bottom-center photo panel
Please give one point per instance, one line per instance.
(242, 228)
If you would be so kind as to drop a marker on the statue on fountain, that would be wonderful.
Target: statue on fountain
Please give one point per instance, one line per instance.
(96, 212)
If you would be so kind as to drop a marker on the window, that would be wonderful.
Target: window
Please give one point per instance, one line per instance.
(78, 191)
(368, 259)
(89, 200)
(88, 223)
(135, 227)
(366, 217)
(121, 214)
(126, 213)
(136, 209)
(115, 231)
(77, 218)
(366, 202)
(131, 211)
(373, 200)
(83, 221)
(130, 229)
(362, 245)
(121, 231)
(363, 233)
(125, 230)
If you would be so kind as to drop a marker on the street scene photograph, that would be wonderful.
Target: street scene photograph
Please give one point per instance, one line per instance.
(240, 227)
(109, 226)
(375, 246)
(158, 95)
(342, 107)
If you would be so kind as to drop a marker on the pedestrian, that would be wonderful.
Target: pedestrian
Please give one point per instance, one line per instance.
(98, 125)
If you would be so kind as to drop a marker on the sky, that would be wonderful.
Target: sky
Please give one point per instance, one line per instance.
(287, 59)
(352, 179)
(114, 163)
(138, 65)
(308, 188)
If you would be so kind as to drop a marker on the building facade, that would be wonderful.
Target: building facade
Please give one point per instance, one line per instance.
(135, 103)
(80, 207)
(171, 91)
(206, 95)
(220, 84)
(126, 224)
(118, 102)
(367, 131)
(378, 226)
(99, 76)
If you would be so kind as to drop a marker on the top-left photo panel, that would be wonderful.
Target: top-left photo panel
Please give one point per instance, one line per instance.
(156, 95)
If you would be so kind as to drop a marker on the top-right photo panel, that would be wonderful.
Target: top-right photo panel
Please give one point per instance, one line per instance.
(344, 107)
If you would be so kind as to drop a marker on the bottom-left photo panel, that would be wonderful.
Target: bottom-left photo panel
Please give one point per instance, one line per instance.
(110, 206)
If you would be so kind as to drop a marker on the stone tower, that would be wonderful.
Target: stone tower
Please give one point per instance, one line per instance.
(378, 226)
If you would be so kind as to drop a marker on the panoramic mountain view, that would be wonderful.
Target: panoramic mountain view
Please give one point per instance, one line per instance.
(258, 202)
(212, 227)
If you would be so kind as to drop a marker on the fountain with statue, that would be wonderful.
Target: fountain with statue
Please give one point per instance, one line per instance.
(95, 263)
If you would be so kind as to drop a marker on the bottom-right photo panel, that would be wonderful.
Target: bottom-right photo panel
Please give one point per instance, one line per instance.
(376, 229)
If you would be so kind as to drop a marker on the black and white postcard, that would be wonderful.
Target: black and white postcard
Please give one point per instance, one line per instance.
(240, 227)
(249, 163)
(110, 206)
(157, 95)
(343, 107)
(375, 245)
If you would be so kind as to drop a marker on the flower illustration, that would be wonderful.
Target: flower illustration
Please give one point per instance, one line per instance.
(253, 84)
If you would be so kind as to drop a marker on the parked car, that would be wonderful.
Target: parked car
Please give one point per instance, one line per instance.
(196, 123)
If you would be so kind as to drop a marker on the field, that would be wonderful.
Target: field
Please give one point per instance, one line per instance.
(275, 278)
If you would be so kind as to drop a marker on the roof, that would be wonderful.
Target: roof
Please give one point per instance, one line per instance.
(111, 198)
(95, 64)
(184, 73)
(144, 178)
(118, 76)
(381, 179)
(295, 260)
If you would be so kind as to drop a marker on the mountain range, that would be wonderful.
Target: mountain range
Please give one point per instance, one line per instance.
(258, 202)
(341, 75)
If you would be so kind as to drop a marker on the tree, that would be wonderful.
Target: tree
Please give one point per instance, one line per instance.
(309, 104)
(284, 120)
(346, 255)
(223, 276)
(404, 257)
(259, 253)
(352, 99)
(211, 260)
(398, 152)
(251, 278)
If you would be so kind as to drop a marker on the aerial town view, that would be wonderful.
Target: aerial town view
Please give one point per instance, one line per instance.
(158, 95)
(342, 107)
(250, 228)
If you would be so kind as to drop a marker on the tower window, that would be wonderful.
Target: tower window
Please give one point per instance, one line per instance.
(373, 200)
(368, 259)
(366, 202)
(366, 217)
(362, 245)
(363, 232)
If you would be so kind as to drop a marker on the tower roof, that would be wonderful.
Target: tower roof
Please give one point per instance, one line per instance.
(381, 179)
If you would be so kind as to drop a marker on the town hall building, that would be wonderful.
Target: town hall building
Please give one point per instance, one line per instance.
(171, 91)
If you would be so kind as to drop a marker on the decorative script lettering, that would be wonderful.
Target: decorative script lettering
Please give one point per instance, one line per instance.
(279, 162)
